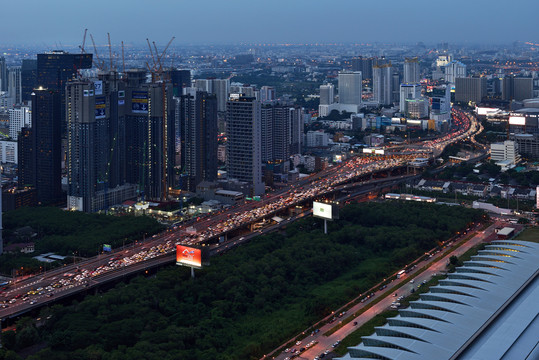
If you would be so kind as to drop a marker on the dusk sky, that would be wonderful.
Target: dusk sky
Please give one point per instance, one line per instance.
(48, 22)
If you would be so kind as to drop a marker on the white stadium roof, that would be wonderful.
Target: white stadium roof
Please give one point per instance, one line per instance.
(487, 309)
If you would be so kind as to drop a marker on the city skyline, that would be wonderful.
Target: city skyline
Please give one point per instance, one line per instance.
(296, 22)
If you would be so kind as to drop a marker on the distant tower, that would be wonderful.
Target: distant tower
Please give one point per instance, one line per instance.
(327, 94)
(3, 74)
(411, 71)
(382, 83)
(14, 84)
(350, 87)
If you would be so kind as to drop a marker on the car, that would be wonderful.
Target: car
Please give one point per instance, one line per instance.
(286, 350)
(298, 342)
(412, 281)
(355, 323)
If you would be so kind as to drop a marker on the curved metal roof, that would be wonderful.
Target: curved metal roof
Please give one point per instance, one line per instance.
(444, 320)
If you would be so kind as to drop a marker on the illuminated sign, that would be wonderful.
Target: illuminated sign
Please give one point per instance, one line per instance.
(517, 120)
(485, 110)
(139, 102)
(100, 107)
(107, 248)
(325, 211)
(98, 86)
(188, 256)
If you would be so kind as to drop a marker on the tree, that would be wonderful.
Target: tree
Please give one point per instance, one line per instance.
(453, 260)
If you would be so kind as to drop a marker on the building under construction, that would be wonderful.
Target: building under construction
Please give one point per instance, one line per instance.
(120, 131)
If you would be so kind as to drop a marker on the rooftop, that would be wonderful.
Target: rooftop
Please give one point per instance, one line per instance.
(461, 317)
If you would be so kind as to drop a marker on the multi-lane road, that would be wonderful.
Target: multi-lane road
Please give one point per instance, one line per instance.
(45, 288)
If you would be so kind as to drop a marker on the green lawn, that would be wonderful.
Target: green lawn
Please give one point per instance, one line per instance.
(530, 234)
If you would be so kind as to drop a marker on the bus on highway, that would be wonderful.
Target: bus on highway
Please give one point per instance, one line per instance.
(400, 273)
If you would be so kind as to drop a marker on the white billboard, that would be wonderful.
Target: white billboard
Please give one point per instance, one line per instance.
(517, 120)
(485, 110)
(322, 210)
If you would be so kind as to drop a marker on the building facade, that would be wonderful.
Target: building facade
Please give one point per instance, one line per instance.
(244, 138)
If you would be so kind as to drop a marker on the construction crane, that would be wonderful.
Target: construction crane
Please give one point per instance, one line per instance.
(100, 64)
(123, 58)
(83, 42)
(110, 53)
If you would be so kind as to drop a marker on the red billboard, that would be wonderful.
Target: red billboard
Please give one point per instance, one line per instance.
(188, 256)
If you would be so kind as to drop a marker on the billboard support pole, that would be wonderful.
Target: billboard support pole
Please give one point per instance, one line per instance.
(325, 226)
(192, 272)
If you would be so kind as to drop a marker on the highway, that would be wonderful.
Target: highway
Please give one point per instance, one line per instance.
(42, 289)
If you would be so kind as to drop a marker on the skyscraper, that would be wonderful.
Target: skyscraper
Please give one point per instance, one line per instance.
(243, 129)
(198, 119)
(382, 83)
(411, 70)
(364, 65)
(55, 68)
(28, 78)
(46, 157)
(327, 94)
(26, 166)
(470, 89)
(14, 85)
(221, 89)
(3, 74)
(83, 142)
(180, 79)
(350, 87)
(267, 93)
(407, 92)
(19, 118)
(150, 138)
(519, 89)
(454, 70)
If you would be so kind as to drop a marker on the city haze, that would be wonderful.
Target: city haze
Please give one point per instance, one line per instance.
(59, 22)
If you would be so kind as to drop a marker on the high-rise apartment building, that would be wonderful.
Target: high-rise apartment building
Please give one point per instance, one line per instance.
(18, 118)
(327, 94)
(470, 89)
(364, 65)
(3, 74)
(267, 93)
(14, 84)
(243, 129)
(221, 89)
(350, 87)
(407, 92)
(518, 89)
(382, 83)
(282, 131)
(411, 70)
(198, 119)
(454, 70)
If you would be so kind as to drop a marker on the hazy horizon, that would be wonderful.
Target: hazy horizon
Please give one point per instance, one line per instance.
(235, 22)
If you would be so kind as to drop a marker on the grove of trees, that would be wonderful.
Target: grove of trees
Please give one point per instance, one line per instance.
(251, 299)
